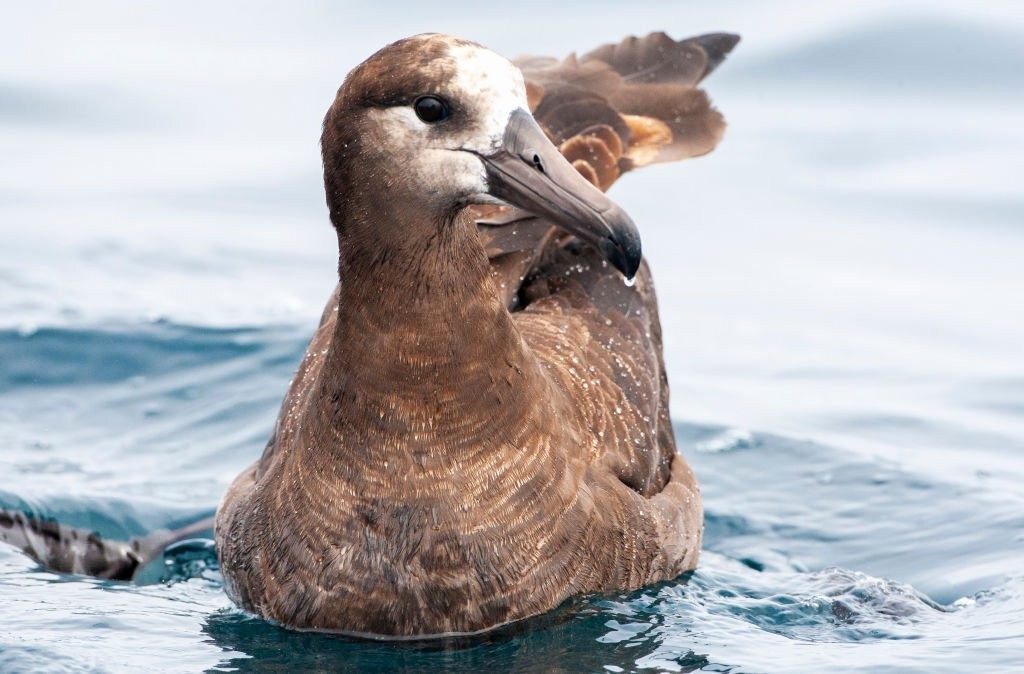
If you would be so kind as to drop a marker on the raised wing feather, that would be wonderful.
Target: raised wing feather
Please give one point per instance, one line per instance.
(644, 89)
(616, 108)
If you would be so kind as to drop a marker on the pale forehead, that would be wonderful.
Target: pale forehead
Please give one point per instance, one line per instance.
(468, 68)
(481, 70)
(494, 85)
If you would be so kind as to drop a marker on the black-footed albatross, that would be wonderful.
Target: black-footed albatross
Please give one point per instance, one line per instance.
(443, 464)
(479, 429)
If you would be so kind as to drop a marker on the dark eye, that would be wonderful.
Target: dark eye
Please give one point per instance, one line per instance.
(431, 108)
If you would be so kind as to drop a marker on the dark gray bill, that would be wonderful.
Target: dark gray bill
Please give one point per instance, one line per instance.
(529, 172)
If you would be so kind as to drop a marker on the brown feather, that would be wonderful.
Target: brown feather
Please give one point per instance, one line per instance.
(587, 171)
(654, 77)
(595, 153)
(658, 58)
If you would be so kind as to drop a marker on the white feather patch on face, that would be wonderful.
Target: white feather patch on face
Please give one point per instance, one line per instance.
(485, 90)
(433, 166)
(496, 88)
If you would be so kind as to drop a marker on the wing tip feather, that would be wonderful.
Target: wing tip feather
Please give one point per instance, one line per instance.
(717, 46)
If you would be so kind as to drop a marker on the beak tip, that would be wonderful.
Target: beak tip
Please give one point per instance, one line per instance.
(624, 256)
(631, 269)
(529, 172)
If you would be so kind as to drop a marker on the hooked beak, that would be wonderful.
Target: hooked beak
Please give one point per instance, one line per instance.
(529, 172)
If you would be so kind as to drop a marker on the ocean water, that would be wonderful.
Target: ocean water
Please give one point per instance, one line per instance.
(841, 287)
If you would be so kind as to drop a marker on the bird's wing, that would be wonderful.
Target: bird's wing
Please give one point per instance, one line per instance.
(626, 105)
(602, 341)
(614, 109)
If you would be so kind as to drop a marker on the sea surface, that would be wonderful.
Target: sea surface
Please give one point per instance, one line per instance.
(841, 286)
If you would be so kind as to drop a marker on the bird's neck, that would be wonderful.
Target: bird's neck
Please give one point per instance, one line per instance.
(425, 358)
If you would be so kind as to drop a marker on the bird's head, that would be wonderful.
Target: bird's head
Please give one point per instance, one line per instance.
(438, 123)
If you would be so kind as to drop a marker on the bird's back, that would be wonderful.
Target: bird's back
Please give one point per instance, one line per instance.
(610, 111)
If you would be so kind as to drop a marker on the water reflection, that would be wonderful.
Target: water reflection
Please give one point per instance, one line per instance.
(573, 638)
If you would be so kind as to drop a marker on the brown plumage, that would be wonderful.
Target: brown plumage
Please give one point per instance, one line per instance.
(442, 464)
(638, 99)
(479, 428)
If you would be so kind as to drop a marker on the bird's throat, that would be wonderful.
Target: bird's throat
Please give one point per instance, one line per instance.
(424, 353)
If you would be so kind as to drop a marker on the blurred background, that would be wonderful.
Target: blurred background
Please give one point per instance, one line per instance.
(841, 286)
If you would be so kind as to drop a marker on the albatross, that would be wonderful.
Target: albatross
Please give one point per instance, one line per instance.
(479, 429)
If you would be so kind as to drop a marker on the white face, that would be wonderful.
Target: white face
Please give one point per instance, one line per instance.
(483, 89)
(495, 87)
